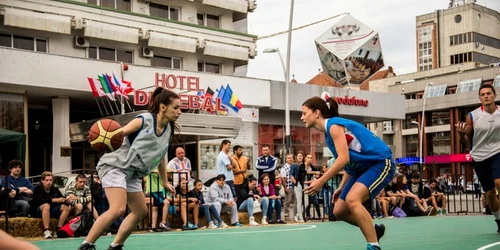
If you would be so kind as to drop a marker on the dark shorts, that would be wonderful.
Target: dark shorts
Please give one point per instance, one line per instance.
(55, 212)
(157, 199)
(375, 178)
(487, 171)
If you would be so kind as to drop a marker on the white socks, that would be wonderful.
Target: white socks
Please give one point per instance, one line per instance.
(497, 215)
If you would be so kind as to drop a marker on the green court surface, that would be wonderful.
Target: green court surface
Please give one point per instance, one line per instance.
(429, 233)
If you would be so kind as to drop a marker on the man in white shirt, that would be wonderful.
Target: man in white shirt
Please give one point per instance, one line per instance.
(180, 164)
(224, 165)
(286, 182)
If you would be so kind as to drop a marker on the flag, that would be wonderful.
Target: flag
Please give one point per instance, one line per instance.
(106, 88)
(128, 87)
(209, 92)
(235, 101)
(120, 87)
(92, 86)
(226, 98)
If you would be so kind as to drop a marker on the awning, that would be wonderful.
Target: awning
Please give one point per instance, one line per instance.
(193, 127)
(112, 32)
(234, 5)
(226, 51)
(37, 21)
(173, 42)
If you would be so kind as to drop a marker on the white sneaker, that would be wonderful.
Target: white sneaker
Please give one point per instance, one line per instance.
(47, 234)
(252, 222)
(264, 220)
(223, 225)
(211, 225)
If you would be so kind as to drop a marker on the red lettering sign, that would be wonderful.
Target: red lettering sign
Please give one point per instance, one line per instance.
(352, 101)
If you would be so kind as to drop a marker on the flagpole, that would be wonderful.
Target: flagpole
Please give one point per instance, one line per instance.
(121, 97)
(111, 106)
(104, 105)
(98, 106)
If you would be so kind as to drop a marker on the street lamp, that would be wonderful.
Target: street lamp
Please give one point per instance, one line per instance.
(420, 151)
(422, 122)
(277, 50)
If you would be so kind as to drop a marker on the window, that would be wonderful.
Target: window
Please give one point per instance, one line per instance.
(164, 11)
(167, 62)
(441, 142)
(469, 85)
(113, 4)
(209, 67)
(496, 83)
(388, 126)
(208, 20)
(23, 42)
(409, 121)
(425, 47)
(485, 59)
(435, 90)
(411, 145)
(486, 40)
(102, 53)
(440, 118)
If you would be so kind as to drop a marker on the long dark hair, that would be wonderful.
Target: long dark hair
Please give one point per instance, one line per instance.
(165, 97)
(328, 108)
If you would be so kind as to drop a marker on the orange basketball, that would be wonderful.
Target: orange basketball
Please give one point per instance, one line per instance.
(106, 135)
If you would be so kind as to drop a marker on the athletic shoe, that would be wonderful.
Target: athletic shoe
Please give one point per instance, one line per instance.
(223, 225)
(165, 227)
(237, 224)
(380, 230)
(252, 222)
(47, 234)
(264, 220)
(428, 211)
(189, 226)
(498, 225)
(87, 246)
(211, 225)
(372, 247)
(119, 247)
(280, 222)
(444, 212)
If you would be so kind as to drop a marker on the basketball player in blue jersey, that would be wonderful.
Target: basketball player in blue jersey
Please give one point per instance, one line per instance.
(144, 149)
(482, 128)
(366, 160)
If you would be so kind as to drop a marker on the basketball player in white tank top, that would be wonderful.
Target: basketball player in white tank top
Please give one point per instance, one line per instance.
(482, 128)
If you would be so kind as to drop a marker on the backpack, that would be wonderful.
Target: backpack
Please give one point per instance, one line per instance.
(78, 226)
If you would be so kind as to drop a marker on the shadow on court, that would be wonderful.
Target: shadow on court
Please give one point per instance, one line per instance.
(428, 233)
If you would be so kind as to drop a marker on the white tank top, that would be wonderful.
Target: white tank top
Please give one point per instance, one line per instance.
(486, 135)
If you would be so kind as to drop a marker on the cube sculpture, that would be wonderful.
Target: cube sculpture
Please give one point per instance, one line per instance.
(349, 52)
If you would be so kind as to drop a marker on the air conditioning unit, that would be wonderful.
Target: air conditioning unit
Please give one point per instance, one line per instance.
(492, 65)
(147, 52)
(252, 5)
(81, 42)
(478, 44)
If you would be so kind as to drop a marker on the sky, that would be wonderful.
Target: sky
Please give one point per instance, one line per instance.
(394, 20)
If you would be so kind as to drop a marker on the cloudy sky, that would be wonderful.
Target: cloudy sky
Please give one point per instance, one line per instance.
(394, 20)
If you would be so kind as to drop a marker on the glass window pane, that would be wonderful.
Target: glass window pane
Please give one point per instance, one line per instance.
(6, 40)
(41, 45)
(212, 21)
(496, 83)
(108, 3)
(93, 52)
(158, 10)
(92, 2)
(22, 42)
(174, 14)
(200, 18)
(200, 66)
(212, 68)
(177, 63)
(123, 5)
(124, 56)
(107, 54)
(160, 61)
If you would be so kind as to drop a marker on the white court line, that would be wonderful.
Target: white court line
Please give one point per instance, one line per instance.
(224, 232)
(488, 246)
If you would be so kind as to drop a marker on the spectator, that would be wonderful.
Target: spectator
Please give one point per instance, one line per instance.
(312, 174)
(266, 163)
(437, 199)
(220, 192)
(241, 165)
(79, 195)
(49, 203)
(298, 176)
(287, 184)
(157, 192)
(247, 196)
(180, 164)
(206, 208)
(183, 201)
(417, 188)
(224, 165)
(267, 190)
(21, 186)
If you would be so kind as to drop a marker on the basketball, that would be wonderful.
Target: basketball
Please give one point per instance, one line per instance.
(106, 135)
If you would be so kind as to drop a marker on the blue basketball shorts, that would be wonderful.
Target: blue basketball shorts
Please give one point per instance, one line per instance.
(375, 177)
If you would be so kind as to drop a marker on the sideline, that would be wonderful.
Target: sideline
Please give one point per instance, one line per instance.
(488, 246)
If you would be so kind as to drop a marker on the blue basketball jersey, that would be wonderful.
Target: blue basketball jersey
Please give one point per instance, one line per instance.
(365, 148)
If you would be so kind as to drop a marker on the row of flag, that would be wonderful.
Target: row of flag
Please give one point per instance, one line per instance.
(111, 87)
(228, 98)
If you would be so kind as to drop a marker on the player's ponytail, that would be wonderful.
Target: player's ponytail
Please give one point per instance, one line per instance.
(328, 108)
